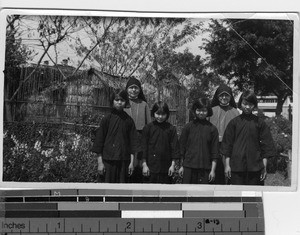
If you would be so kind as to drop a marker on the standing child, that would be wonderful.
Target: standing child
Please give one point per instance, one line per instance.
(247, 144)
(199, 146)
(224, 109)
(115, 141)
(139, 110)
(160, 146)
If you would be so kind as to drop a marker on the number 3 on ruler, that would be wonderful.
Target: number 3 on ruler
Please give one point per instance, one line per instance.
(199, 225)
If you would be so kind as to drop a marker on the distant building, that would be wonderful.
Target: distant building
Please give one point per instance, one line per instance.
(268, 105)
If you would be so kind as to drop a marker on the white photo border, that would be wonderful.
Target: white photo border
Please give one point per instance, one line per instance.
(193, 188)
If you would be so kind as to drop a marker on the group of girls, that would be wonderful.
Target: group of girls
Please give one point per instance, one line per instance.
(218, 146)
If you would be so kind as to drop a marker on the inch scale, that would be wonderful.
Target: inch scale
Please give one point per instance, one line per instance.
(132, 226)
(90, 212)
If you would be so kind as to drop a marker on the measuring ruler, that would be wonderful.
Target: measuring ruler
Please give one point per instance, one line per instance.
(107, 212)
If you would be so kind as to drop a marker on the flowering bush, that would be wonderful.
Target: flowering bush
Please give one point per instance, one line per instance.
(281, 130)
(45, 152)
(48, 153)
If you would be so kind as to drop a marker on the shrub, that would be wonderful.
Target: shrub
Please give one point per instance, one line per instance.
(48, 153)
(281, 130)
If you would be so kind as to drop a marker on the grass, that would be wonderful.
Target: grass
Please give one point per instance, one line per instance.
(277, 179)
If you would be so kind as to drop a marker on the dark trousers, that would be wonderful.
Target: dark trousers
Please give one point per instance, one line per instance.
(195, 176)
(246, 178)
(115, 172)
(220, 172)
(158, 178)
(137, 175)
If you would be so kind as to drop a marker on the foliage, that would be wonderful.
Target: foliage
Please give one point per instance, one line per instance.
(48, 153)
(16, 53)
(44, 152)
(277, 179)
(258, 52)
(281, 130)
(115, 45)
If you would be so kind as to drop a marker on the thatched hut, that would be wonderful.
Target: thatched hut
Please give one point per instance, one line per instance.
(54, 94)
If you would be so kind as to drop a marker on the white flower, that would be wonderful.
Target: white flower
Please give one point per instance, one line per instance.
(19, 148)
(47, 153)
(62, 145)
(61, 158)
(76, 141)
(37, 146)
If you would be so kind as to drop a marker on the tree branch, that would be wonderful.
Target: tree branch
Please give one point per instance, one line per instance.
(29, 76)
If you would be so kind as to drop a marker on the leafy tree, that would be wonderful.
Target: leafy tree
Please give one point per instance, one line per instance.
(16, 54)
(44, 35)
(189, 71)
(135, 46)
(257, 52)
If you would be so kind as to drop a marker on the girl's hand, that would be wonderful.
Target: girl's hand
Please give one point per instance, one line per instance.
(130, 169)
(211, 176)
(263, 174)
(181, 171)
(146, 171)
(228, 171)
(171, 170)
(101, 168)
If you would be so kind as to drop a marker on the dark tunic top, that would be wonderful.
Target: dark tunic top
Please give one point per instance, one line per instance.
(160, 146)
(199, 144)
(116, 137)
(246, 141)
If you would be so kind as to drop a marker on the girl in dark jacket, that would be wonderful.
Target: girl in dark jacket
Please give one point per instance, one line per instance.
(115, 141)
(247, 144)
(160, 146)
(199, 146)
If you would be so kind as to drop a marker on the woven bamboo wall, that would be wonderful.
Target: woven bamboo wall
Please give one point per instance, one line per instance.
(48, 96)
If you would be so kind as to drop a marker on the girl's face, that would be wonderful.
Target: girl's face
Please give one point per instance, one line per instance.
(133, 91)
(201, 113)
(247, 107)
(160, 117)
(119, 103)
(224, 99)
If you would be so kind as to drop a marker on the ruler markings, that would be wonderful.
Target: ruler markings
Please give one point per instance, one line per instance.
(157, 225)
(252, 209)
(130, 199)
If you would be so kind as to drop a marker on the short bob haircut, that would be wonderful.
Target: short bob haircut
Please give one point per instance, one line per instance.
(249, 96)
(200, 103)
(119, 93)
(160, 107)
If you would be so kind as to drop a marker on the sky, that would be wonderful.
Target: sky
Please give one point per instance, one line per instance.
(64, 51)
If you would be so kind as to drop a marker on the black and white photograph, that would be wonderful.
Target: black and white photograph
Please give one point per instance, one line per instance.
(141, 99)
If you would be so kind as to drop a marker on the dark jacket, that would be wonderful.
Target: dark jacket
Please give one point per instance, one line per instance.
(246, 141)
(199, 144)
(160, 146)
(116, 137)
